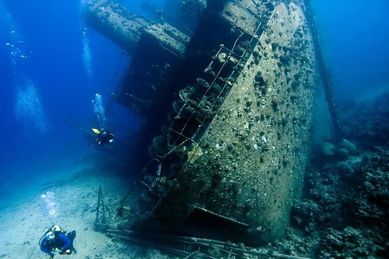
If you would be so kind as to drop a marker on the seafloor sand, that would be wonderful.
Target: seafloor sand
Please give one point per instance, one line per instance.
(74, 193)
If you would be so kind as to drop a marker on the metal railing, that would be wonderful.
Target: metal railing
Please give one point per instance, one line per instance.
(227, 83)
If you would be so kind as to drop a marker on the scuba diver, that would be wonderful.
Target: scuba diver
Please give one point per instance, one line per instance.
(103, 136)
(56, 241)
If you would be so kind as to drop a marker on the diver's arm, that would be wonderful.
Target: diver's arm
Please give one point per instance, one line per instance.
(46, 248)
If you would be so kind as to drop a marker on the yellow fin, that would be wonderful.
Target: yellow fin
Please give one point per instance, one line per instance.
(96, 131)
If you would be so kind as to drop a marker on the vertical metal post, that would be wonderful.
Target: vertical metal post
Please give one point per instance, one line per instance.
(324, 74)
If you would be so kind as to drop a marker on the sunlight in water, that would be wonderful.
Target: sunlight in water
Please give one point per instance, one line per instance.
(29, 109)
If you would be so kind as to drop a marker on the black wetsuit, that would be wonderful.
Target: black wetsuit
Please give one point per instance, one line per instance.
(104, 137)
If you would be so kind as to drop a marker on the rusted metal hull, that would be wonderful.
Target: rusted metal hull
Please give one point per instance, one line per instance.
(235, 141)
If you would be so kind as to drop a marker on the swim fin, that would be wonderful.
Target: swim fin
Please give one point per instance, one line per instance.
(96, 131)
(72, 235)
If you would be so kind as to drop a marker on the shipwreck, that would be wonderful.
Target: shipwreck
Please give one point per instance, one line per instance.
(226, 87)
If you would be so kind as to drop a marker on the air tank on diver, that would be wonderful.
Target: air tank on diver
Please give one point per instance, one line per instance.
(228, 96)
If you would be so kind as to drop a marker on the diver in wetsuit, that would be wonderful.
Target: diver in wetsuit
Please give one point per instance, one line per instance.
(55, 241)
(103, 136)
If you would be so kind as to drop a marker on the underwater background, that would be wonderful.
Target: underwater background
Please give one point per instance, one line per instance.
(51, 68)
(52, 65)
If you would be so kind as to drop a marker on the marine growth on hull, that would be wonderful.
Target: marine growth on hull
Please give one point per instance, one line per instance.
(237, 91)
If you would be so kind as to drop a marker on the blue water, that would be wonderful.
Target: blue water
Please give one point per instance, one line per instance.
(52, 66)
(46, 84)
(354, 35)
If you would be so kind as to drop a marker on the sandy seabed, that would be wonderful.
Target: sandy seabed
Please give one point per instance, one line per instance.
(68, 198)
